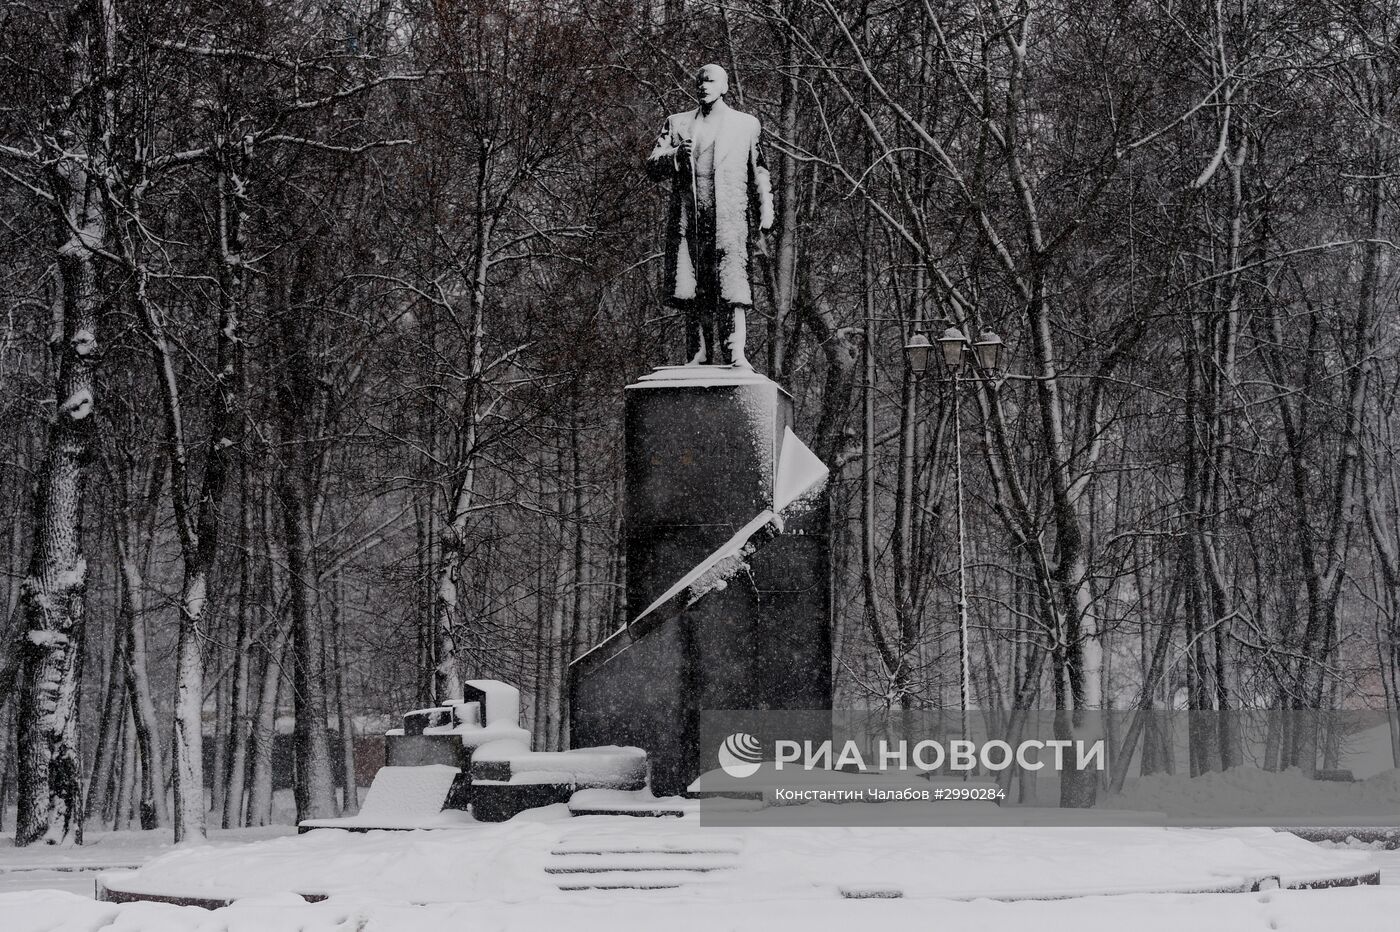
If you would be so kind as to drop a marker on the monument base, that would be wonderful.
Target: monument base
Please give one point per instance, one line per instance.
(702, 461)
(469, 761)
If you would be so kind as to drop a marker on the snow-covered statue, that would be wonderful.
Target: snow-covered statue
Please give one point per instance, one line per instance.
(719, 187)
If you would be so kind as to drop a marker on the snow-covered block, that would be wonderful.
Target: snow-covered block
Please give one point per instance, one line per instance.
(491, 760)
(473, 738)
(417, 720)
(510, 761)
(467, 713)
(630, 803)
(499, 702)
(468, 726)
(405, 792)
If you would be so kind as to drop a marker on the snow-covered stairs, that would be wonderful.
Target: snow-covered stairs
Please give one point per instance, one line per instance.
(642, 861)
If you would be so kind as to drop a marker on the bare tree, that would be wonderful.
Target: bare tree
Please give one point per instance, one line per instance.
(50, 803)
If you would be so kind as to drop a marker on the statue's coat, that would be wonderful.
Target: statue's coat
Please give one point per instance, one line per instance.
(741, 184)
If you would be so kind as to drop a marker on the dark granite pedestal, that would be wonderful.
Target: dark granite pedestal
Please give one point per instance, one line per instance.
(701, 454)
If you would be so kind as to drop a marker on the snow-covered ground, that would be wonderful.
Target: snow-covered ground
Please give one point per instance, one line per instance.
(534, 855)
(1367, 909)
(73, 869)
(523, 875)
(1246, 793)
(374, 879)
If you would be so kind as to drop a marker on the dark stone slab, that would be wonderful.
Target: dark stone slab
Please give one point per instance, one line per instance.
(635, 699)
(471, 693)
(490, 770)
(460, 795)
(420, 750)
(497, 802)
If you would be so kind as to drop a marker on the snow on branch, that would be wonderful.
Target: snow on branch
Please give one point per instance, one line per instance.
(301, 106)
(332, 147)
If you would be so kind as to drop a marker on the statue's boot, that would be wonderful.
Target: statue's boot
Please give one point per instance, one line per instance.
(738, 336)
(697, 341)
(700, 357)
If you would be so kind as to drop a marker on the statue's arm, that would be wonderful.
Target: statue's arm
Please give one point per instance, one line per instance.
(662, 163)
(763, 184)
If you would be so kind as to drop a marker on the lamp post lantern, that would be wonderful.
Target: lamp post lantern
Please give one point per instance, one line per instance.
(954, 346)
(985, 356)
(917, 350)
(988, 350)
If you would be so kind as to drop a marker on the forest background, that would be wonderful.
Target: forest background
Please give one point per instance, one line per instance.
(318, 316)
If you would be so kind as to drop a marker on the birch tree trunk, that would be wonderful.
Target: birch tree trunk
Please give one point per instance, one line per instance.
(297, 402)
(152, 807)
(238, 701)
(887, 653)
(112, 723)
(556, 661)
(53, 595)
(315, 789)
(198, 523)
(271, 695)
(350, 801)
(126, 795)
(447, 679)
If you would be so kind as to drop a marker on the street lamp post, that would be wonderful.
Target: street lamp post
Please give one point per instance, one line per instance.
(985, 357)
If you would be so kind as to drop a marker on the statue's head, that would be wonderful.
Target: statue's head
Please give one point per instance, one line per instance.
(711, 83)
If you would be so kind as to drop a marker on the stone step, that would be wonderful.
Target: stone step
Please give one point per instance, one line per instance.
(613, 863)
(868, 892)
(628, 885)
(632, 880)
(592, 842)
(641, 861)
(642, 849)
(638, 812)
(70, 867)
